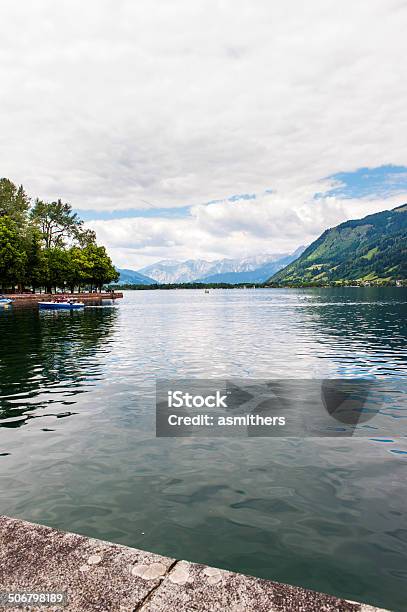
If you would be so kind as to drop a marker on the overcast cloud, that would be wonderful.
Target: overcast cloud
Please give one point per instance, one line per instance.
(124, 105)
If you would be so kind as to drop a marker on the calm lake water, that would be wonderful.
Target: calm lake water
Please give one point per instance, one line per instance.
(78, 448)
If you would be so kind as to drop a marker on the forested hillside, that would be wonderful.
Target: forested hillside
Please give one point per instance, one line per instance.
(372, 249)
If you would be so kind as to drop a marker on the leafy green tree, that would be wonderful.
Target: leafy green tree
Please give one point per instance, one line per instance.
(58, 268)
(36, 264)
(57, 222)
(12, 254)
(101, 268)
(80, 269)
(14, 202)
(85, 237)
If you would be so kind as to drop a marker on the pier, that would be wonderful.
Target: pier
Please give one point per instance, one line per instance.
(98, 576)
(21, 299)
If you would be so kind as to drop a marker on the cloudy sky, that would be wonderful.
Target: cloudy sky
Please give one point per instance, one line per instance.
(203, 128)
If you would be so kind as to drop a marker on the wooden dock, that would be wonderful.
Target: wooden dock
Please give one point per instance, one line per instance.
(21, 299)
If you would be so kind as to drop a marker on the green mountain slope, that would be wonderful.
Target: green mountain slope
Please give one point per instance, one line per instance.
(132, 277)
(370, 249)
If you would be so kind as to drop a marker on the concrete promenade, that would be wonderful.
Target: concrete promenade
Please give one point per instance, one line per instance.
(100, 576)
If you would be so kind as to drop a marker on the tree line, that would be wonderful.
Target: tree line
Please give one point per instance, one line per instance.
(44, 245)
(192, 285)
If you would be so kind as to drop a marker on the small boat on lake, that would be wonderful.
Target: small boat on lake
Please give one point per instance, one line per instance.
(61, 305)
(5, 301)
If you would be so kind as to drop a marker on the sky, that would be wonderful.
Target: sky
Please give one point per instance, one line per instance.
(206, 129)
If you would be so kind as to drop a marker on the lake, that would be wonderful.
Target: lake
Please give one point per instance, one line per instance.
(78, 449)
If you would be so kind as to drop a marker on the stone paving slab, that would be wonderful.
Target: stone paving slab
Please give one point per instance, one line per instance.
(103, 577)
(192, 586)
(96, 575)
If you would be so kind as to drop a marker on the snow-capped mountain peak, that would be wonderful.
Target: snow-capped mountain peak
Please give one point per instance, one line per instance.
(174, 271)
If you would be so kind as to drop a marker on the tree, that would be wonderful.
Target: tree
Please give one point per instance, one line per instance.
(79, 270)
(12, 255)
(56, 221)
(58, 268)
(85, 237)
(101, 268)
(37, 264)
(14, 202)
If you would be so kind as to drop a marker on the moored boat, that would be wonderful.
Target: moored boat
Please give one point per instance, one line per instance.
(61, 305)
(5, 301)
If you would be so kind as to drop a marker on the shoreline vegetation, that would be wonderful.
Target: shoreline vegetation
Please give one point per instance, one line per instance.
(167, 286)
(45, 246)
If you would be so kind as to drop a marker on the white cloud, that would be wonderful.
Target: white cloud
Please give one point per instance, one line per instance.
(268, 224)
(111, 103)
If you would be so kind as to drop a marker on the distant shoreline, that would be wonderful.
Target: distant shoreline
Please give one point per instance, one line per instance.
(203, 286)
(167, 286)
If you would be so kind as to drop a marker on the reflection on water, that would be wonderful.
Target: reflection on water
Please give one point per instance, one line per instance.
(77, 445)
(48, 357)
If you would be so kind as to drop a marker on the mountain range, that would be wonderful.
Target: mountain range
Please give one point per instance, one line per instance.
(246, 269)
(257, 275)
(131, 277)
(370, 249)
